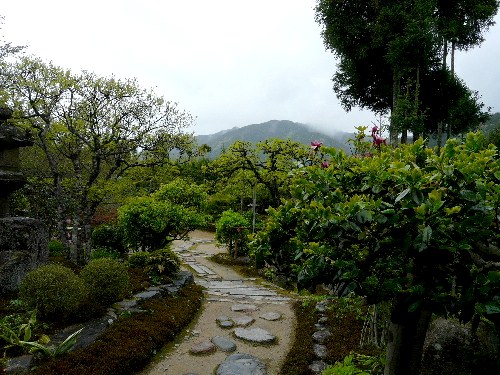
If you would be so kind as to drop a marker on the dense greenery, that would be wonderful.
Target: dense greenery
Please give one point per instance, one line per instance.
(232, 230)
(413, 225)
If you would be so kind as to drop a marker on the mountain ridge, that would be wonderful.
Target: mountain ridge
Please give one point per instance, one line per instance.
(282, 129)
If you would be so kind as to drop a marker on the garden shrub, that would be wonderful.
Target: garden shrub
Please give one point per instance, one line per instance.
(54, 290)
(131, 342)
(163, 262)
(232, 230)
(56, 248)
(104, 252)
(157, 264)
(107, 280)
(138, 259)
(108, 236)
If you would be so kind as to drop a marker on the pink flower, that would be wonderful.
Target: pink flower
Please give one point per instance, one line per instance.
(325, 164)
(378, 140)
(315, 145)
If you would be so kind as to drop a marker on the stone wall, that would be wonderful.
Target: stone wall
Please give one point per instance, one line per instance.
(23, 247)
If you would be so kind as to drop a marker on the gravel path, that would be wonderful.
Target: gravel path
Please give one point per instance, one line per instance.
(245, 327)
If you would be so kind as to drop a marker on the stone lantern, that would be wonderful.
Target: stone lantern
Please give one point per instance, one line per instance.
(11, 178)
(23, 240)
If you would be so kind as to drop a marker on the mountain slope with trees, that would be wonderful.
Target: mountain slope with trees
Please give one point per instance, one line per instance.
(281, 129)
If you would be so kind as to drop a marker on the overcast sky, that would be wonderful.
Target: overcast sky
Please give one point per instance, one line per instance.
(227, 62)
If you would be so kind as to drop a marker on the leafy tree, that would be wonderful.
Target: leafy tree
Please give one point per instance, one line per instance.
(91, 130)
(390, 58)
(267, 164)
(170, 213)
(411, 225)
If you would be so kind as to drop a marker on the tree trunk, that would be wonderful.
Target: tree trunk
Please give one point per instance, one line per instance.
(393, 133)
(406, 340)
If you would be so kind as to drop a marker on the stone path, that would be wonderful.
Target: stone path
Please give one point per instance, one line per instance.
(245, 328)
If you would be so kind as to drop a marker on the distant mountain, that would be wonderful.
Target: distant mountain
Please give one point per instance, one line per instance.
(281, 129)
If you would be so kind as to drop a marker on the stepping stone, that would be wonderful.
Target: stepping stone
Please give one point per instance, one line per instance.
(244, 307)
(323, 320)
(126, 304)
(255, 335)
(271, 316)
(321, 336)
(320, 351)
(318, 367)
(241, 364)
(203, 347)
(147, 294)
(224, 344)
(244, 321)
(320, 327)
(224, 322)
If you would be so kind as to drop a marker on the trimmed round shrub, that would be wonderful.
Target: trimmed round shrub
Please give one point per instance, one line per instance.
(54, 290)
(107, 280)
(104, 252)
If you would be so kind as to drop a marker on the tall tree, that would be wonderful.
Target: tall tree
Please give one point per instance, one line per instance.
(92, 130)
(388, 51)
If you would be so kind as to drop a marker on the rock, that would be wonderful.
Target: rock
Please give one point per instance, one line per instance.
(318, 366)
(320, 351)
(244, 321)
(224, 344)
(320, 327)
(321, 336)
(224, 322)
(451, 348)
(241, 364)
(147, 294)
(271, 316)
(255, 335)
(323, 319)
(203, 347)
(244, 307)
(23, 247)
(18, 365)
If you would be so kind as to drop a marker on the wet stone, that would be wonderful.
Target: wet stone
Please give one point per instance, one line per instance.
(321, 336)
(224, 344)
(244, 321)
(241, 364)
(320, 351)
(147, 294)
(244, 307)
(204, 347)
(322, 306)
(318, 367)
(323, 320)
(255, 335)
(272, 316)
(320, 327)
(224, 322)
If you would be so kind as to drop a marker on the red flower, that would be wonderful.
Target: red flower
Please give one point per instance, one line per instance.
(325, 164)
(315, 145)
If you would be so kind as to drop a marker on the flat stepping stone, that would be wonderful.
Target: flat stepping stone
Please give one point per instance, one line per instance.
(318, 367)
(249, 291)
(321, 336)
(271, 316)
(320, 351)
(244, 307)
(244, 321)
(241, 364)
(255, 335)
(224, 344)
(224, 322)
(147, 294)
(203, 347)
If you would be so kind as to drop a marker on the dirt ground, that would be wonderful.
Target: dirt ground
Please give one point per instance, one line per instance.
(176, 359)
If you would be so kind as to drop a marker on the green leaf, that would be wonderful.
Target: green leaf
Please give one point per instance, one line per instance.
(497, 175)
(492, 309)
(427, 234)
(402, 195)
